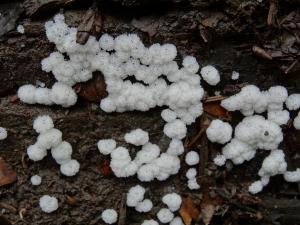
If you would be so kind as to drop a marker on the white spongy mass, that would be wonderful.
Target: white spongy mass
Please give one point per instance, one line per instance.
(293, 102)
(210, 74)
(177, 221)
(36, 180)
(3, 133)
(168, 115)
(62, 153)
(137, 137)
(175, 147)
(219, 131)
(36, 153)
(192, 158)
(109, 216)
(296, 121)
(255, 187)
(106, 146)
(148, 153)
(135, 195)
(280, 117)
(48, 204)
(50, 138)
(258, 132)
(144, 206)
(70, 168)
(150, 222)
(292, 176)
(175, 129)
(164, 215)
(118, 58)
(173, 201)
(43, 123)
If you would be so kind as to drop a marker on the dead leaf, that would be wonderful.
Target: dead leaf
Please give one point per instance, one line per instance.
(213, 20)
(189, 211)
(93, 90)
(105, 169)
(261, 53)
(71, 200)
(272, 15)
(146, 24)
(207, 213)
(215, 109)
(7, 175)
(91, 23)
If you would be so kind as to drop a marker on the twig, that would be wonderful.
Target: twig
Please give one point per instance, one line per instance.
(196, 138)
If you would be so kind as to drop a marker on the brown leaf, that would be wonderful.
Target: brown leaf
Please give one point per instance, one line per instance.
(105, 169)
(208, 211)
(261, 53)
(7, 175)
(13, 98)
(189, 211)
(91, 23)
(215, 109)
(71, 200)
(146, 24)
(213, 20)
(93, 90)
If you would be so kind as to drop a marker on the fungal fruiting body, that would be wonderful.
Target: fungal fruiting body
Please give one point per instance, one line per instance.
(3, 133)
(51, 139)
(48, 204)
(109, 216)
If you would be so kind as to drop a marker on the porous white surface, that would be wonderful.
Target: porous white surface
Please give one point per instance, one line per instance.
(3, 133)
(164, 215)
(36, 180)
(70, 168)
(192, 158)
(219, 131)
(109, 216)
(106, 146)
(173, 201)
(48, 204)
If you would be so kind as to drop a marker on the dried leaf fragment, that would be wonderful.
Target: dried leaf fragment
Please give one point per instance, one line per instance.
(215, 109)
(105, 169)
(189, 211)
(93, 90)
(213, 20)
(91, 24)
(7, 174)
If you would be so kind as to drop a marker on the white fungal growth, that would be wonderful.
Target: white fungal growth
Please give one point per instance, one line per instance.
(20, 29)
(192, 158)
(150, 222)
(70, 168)
(175, 147)
(210, 74)
(3, 133)
(51, 138)
(36, 180)
(219, 131)
(106, 146)
(235, 75)
(109, 216)
(280, 117)
(177, 221)
(144, 206)
(173, 201)
(135, 195)
(62, 153)
(164, 215)
(175, 129)
(43, 123)
(293, 102)
(137, 137)
(48, 204)
(292, 176)
(296, 121)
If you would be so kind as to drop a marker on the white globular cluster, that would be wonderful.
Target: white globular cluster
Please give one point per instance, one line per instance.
(59, 94)
(211, 75)
(109, 216)
(48, 204)
(149, 163)
(118, 58)
(255, 132)
(192, 181)
(251, 100)
(173, 201)
(135, 198)
(36, 180)
(192, 158)
(3, 133)
(50, 138)
(219, 131)
(150, 222)
(165, 215)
